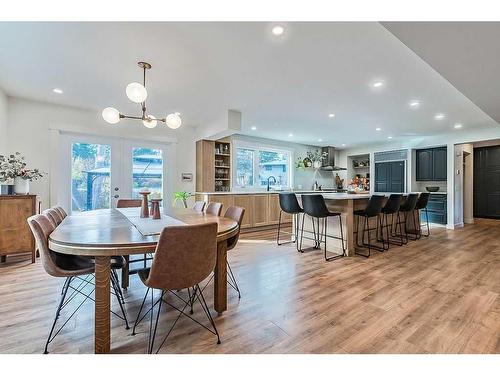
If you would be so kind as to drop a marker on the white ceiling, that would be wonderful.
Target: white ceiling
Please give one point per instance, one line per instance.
(281, 85)
(466, 53)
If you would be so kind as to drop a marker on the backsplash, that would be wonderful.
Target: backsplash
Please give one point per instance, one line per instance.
(420, 185)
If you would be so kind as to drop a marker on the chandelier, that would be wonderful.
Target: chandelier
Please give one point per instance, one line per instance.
(137, 93)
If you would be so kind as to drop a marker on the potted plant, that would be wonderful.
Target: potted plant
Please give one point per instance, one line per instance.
(316, 157)
(181, 196)
(13, 167)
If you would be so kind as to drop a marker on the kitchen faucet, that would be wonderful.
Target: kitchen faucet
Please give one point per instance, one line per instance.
(274, 178)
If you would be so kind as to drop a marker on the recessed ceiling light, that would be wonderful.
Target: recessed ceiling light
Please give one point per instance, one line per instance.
(57, 91)
(439, 116)
(414, 104)
(320, 140)
(331, 115)
(377, 84)
(290, 135)
(389, 137)
(378, 129)
(253, 128)
(278, 30)
(457, 126)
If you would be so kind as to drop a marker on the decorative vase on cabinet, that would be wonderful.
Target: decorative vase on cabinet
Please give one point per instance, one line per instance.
(21, 186)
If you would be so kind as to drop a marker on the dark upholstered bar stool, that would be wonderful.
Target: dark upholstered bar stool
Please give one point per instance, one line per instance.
(290, 205)
(314, 206)
(373, 209)
(392, 207)
(422, 202)
(126, 271)
(407, 207)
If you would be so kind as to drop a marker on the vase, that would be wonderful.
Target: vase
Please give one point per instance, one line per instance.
(21, 186)
(317, 165)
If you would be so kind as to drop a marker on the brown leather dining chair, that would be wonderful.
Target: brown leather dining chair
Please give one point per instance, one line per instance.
(214, 208)
(76, 269)
(184, 257)
(235, 213)
(54, 216)
(61, 211)
(199, 206)
(126, 271)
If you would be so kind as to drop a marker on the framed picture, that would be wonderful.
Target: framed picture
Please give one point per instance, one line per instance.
(187, 177)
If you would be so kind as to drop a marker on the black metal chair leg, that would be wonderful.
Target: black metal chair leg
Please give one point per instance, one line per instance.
(427, 220)
(137, 320)
(65, 291)
(358, 245)
(299, 249)
(207, 312)
(231, 275)
(279, 228)
(152, 339)
(116, 286)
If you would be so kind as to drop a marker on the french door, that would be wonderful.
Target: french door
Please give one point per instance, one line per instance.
(97, 171)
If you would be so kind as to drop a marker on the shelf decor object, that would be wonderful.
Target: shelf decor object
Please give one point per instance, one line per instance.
(138, 93)
(13, 168)
(155, 208)
(144, 204)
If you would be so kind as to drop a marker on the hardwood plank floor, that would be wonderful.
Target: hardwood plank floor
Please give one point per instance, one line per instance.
(437, 295)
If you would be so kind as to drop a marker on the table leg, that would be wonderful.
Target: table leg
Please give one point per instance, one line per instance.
(125, 273)
(102, 334)
(220, 278)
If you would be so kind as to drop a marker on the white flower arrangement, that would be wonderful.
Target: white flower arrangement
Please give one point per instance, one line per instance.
(13, 166)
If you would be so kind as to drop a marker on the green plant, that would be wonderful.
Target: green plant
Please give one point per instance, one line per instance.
(13, 166)
(316, 156)
(182, 196)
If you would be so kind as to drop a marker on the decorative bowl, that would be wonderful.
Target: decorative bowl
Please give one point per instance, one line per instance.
(432, 189)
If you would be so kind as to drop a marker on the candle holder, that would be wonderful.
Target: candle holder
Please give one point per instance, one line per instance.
(155, 208)
(144, 204)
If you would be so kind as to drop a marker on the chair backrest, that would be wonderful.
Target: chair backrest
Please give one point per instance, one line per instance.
(235, 213)
(185, 255)
(61, 211)
(53, 215)
(410, 203)
(314, 205)
(392, 204)
(375, 205)
(127, 203)
(199, 206)
(289, 203)
(42, 227)
(422, 201)
(214, 208)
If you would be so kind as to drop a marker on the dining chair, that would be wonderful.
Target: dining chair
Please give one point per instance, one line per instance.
(184, 257)
(53, 215)
(60, 210)
(199, 206)
(76, 269)
(126, 271)
(214, 208)
(235, 213)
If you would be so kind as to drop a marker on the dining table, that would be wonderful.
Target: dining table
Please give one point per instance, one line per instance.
(105, 233)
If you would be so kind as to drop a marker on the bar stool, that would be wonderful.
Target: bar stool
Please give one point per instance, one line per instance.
(290, 205)
(392, 207)
(373, 209)
(407, 207)
(422, 202)
(314, 206)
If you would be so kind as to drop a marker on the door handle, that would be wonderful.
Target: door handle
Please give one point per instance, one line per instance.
(116, 188)
(116, 196)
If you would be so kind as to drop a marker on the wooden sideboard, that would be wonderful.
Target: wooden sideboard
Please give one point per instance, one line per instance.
(15, 234)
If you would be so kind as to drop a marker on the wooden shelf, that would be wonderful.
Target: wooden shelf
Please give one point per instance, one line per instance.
(223, 166)
(222, 154)
(222, 179)
(364, 167)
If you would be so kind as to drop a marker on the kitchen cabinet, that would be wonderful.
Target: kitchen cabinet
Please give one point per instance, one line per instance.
(431, 164)
(390, 177)
(436, 209)
(486, 187)
(260, 210)
(245, 201)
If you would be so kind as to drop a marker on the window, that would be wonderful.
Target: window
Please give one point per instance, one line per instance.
(147, 171)
(255, 166)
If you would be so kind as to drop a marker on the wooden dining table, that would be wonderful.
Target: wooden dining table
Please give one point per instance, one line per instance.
(110, 232)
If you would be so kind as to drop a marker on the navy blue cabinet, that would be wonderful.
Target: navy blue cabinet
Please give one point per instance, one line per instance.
(390, 177)
(431, 164)
(487, 182)
(437, 209)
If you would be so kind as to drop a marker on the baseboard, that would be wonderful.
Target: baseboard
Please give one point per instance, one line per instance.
(469, 221)
(459, 225)
(450, 226)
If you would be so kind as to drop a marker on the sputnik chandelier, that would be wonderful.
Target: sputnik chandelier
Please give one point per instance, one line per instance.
(137, 93)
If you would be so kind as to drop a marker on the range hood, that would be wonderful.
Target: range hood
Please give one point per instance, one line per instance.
(329, 162)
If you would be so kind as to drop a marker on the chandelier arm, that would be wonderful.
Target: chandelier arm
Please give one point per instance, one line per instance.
(141, 118)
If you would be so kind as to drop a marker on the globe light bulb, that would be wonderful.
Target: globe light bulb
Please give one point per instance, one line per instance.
(150, 122)
(111, 115)
(173, 121)
(136, 92)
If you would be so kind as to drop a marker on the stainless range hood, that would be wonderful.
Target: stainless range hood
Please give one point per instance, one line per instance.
(329, 162)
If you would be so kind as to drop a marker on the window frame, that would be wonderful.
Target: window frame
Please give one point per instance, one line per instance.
(256, 161)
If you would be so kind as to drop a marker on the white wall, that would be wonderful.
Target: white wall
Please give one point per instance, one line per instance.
(302, 178)
(3, 123)
(32, 125)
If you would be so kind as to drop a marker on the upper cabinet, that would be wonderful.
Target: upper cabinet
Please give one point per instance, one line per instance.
(431, 164)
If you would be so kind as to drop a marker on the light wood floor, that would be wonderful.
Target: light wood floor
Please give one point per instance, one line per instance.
(436, 295)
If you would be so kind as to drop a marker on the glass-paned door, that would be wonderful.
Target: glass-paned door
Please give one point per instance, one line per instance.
(90, 176)
(147, 171)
